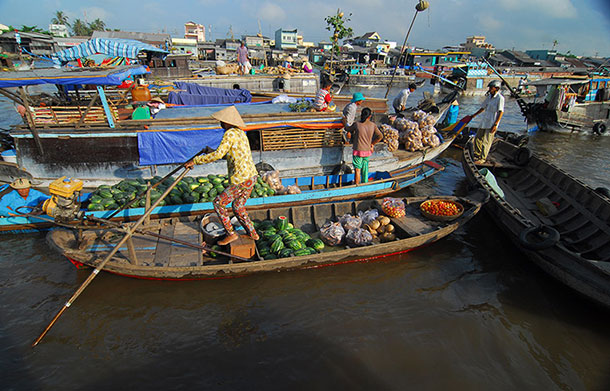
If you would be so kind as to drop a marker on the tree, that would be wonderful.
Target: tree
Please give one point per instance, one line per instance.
(97, 25)
(60, 18)
(336, 24)
(80, 28)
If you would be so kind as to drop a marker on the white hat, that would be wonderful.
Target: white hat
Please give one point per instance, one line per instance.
(231, 116)
(21, 183)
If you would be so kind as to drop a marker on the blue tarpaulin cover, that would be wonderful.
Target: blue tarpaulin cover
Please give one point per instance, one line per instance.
(193, 95)
(114, 47)
(69, 76)
(175, 147)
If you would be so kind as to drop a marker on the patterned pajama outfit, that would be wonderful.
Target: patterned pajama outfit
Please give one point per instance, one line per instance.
(242, 174)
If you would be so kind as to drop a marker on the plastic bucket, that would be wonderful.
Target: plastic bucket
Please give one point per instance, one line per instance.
(9, 156)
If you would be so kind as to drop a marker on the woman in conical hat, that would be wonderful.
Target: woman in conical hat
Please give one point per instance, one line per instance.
(242, 172)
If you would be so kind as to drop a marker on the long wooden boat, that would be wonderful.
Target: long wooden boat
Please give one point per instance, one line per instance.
(94, 143)
(571, 242)
(377, 105)
(314, 189)
(153, 258)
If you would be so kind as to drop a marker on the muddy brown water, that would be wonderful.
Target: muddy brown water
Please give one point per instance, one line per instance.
(469, 312)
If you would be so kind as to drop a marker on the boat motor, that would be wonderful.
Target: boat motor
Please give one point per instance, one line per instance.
(64, 204)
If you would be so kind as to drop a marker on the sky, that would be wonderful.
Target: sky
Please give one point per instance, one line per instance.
(581, 27)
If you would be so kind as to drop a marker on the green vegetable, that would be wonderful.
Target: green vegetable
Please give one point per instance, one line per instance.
(301, 252)
(281, 223)
(95, 206)
(95, 199)
(277, 245)
(295, 245)
(316, 244)
(286, 252)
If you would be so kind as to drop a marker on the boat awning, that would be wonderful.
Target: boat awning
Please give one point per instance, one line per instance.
(113, 47)
(556, 81)
(70, 76)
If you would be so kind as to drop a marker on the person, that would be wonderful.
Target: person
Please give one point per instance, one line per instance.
(155, 105)
(242, 172)
(365, 135)
(288, 62)
(323, 97)
(19, 193)
(243, 59)
(366, 58)
(142, 111)
(400, 102)
(452, 114)
(307, 68)
(349, 112)
(493, 106)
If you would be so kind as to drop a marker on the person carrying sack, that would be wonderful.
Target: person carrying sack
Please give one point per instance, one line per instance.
(235, 147)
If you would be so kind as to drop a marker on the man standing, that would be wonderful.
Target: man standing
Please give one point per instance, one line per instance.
(17, 194)
(493, 108)
(242, 172)
(243, 59)
(350, 111)
(400, 102)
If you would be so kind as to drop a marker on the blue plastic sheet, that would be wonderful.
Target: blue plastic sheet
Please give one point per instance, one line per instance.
(175, 147)
(193, 95)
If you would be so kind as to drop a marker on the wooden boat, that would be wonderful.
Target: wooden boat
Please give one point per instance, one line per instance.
(572, 104)
(571, 243)
(96, 144)
(314, 189)
(159, 259)
(377, 105)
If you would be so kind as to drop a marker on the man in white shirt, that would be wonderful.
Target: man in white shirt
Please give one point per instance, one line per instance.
(493, 109)
(400, 102)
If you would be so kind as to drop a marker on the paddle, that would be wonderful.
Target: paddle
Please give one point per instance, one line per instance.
(524, 107)
(130, 231)
(142, 193)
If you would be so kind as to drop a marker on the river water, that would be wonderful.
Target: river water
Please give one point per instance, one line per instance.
(469, 312)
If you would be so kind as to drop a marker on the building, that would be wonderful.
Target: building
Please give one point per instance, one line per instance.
(194, 31)
(547, 55)
(68, 42)
(156, 39)
(367, 40)
(185, 46)
(285, 39)
(253, 41)
(520, 58)
(59, 30)
(40, 44)
(477, 41)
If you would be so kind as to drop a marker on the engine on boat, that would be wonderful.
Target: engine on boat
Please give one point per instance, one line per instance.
(64, 204)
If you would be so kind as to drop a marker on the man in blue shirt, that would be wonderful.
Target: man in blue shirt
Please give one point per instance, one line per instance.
(19, 193)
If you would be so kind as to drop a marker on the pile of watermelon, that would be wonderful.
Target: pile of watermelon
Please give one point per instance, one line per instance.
(279, 239)
(189, 190)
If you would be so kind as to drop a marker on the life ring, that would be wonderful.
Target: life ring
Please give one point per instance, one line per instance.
(603, 191)
(522, 156)
(547, 237)
(599, 128)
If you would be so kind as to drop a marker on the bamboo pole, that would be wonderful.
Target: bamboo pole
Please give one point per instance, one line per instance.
(130, 231)
(30, 118)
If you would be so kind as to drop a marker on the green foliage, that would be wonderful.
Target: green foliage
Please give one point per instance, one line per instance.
(336, 24)
(60, 18)
(83, 29)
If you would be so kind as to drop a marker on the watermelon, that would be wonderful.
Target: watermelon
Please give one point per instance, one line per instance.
(277, 245)
(189, 179)
(176, 199)
(290, 236)
(95, 206)
(216, 181)
(263, 252)
(301, 252)
(105, 193)
(111, 206)
(95, 199)
(286, 252)
(188, 198)
(281, 223)
(270, 256)
(316, 244)
(225, 183)
(295, 245)
(104, 187)
(194, 185)
(265, 225)
(290, 226)
(212, 193)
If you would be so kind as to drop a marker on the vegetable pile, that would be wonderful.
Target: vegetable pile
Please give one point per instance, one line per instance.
(441, 208)
(301, 105)
(279, 239)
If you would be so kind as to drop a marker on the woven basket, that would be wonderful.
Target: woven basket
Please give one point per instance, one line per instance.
(438, 217)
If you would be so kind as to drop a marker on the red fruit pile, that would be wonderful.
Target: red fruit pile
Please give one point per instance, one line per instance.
(441, 208)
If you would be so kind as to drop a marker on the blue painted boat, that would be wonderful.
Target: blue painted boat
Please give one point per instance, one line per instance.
(315, 189)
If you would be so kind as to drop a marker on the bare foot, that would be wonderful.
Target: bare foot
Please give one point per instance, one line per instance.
(228, 239)
(254, 236)
(479, 162)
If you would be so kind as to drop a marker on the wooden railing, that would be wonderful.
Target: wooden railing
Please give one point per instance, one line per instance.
(65, 115)
(295, 138)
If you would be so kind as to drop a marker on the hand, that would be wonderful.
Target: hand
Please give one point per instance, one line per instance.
(494, 128)
(189, 165)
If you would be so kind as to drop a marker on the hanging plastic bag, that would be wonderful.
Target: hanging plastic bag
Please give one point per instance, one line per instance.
(393, 207)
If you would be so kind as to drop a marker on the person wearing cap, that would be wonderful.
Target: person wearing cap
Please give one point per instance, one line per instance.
(18, 194)
(365, 135)
(155, 105)
(350, 111)
(493, 109)
(235, 147)
(400, 102)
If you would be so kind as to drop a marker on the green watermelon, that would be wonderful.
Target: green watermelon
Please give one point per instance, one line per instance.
(295, 245)
(263, 252)
(316, 244)
(301, 252)
(95, 206)
(216, 181)
(176, 199)
(270, 256)
(105, 194)
(189, 179)
(277, 245)
(95, 199)
(212, 193)
(286, 252)
(281, 223)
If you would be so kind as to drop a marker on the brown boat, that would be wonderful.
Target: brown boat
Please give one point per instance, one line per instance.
(152, 258)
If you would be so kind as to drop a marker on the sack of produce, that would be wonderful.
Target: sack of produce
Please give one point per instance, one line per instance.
(400, 124)
(358, 237)
(393, 207)
(350, 222)
(272, 178)
(368, 215)
(294, 189)
(418, 115)
(332, 233)
(390, 137)
(427, 120)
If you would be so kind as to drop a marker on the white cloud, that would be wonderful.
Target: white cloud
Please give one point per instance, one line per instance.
(553, 8)
(488, 22)
(271, 12)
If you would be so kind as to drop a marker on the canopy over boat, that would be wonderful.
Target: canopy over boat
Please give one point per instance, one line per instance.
(113, 47)
(70, 76)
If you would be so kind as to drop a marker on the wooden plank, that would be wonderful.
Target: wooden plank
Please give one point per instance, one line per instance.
(163, 251)
(183, 255)
(411, 225)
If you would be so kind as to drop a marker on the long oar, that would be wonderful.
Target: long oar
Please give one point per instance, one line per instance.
(94, 273)
(523, 106)
(143, 193)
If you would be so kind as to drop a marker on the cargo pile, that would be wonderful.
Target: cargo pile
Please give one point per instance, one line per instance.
(365, 229)
(390, 137)
(418, 133)
(280, 239)
(189, 190)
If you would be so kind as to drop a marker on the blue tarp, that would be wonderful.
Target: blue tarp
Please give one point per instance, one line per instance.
(194, 95)
(175, 147)
(113, 47)
(65, 76)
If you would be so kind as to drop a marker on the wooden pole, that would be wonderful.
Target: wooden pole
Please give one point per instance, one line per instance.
(30, 118)
(130, 231)
(404, 44)
(81, 121)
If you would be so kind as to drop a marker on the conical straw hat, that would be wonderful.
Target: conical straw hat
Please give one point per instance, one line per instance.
(231, 116)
